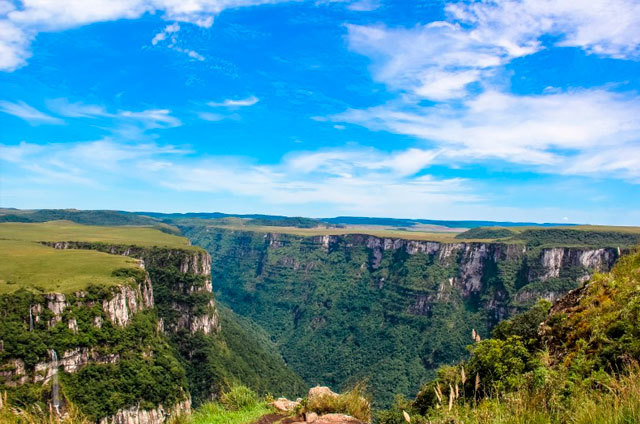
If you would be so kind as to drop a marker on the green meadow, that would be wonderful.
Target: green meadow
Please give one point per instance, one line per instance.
(28, 264)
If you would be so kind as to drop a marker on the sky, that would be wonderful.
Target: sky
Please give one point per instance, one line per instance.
(511, 110)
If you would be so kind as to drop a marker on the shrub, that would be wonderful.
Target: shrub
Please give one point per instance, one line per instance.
(354, 403)
(238, 398)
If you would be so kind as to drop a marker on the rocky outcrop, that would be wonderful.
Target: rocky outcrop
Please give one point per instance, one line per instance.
(158, 415)
(13, 373)
(321, 391)
(127, 301)
(70, 361)
(120, 307)
(187, 261)
(284, 405)
(554, 260)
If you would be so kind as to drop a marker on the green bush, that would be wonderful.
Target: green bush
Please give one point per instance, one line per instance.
(238, 398)
(354, 403)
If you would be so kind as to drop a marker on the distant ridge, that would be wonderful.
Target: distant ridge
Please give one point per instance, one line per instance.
(116, 217)
(396, 222)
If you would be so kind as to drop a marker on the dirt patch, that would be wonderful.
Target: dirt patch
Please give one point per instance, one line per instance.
(277, 418)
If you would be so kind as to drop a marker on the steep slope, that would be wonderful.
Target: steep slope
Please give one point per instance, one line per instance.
(390, 311)
(138, 345)
(574, 361)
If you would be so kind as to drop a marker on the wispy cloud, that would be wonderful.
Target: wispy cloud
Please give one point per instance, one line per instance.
(249, 101)
(28, 113)
(556, 133)
(440, 60)
(20, 22)
(63, 107)
(457, 64)
(350, 178)
(170, 34)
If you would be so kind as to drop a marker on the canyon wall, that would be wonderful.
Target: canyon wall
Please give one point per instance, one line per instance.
(385, 310)
(91, 339)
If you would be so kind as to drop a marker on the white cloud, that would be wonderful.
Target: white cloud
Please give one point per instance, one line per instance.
(456, 63)
(352, 179)
(21, 22)
(213, 117)
(28, 113)
(438, 60)
(434, 61)
(606, 27)
(152, 118)
(63, 107)
(168, 30)
(549, 131)
(249, 101)
(355, 5)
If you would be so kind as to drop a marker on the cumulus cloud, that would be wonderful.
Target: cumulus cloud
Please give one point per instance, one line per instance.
(21, 22)
(605, 27)
(439, 60)
(454, 63)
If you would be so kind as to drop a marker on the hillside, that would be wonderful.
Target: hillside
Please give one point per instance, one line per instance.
(123, 321)
(575, 361)
(391, 310)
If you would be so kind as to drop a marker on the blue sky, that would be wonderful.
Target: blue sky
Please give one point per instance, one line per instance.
(505, 110)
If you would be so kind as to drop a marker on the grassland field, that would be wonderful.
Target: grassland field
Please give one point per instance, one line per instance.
(26, 263)
(448, 236)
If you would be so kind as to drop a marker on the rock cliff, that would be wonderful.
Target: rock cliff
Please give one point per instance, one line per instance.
(98, 333)
(391, 309)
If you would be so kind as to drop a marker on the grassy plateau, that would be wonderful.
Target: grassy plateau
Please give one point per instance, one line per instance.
(28, 264)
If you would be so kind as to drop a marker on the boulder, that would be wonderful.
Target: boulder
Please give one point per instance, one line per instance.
(319, 391)
(310, 417)
(285, 405)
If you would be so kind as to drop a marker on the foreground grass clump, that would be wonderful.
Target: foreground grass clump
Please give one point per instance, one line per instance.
(353, 403)
(578, 364)
(10, 414)
(618, 403)
(240, 405)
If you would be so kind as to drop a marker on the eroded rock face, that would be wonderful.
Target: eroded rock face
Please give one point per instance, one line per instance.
(127, 301)
(56, 303)
(158, 415)
(554, 260)
(13, 373)
(71, 361)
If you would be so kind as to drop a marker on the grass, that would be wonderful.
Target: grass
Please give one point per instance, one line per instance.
(444, 236)
(215, 413)
(69, 231)
(353, 403)
(35, 415)
(240, 405)
(28, 264)
(36, 267)
(617, 403)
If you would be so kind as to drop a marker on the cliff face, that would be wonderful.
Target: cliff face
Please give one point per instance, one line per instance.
(99, 333)
(169, 267)
(344, 308)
